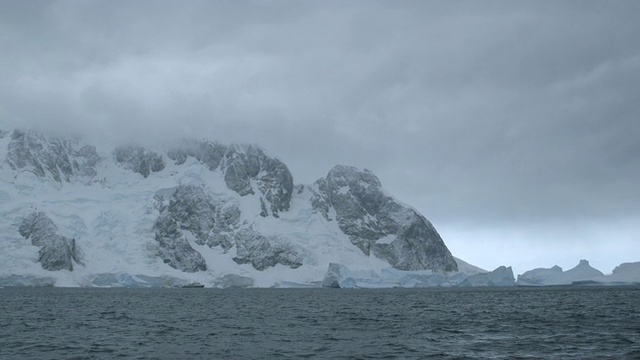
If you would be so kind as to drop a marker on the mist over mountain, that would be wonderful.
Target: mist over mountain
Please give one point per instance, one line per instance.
(226, 215)
(195, 210)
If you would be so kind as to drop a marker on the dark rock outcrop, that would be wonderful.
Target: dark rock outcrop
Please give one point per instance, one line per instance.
(174, 249)
(139, 159)
(257, 250)
(191, 209)
(227, 222)
(377, 223)
(207, 152)
(245, 164)
(57, 252)
(211, 223)
(194, 211)
(55, 158)
(246, 169)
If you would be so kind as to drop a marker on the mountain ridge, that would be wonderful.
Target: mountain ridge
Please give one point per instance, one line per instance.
(201, 207)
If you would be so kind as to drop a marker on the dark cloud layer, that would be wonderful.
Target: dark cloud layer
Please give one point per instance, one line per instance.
(496, 113)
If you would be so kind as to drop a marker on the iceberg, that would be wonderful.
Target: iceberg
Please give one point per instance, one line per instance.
(341, 276)
(501, 276)
(583, 272)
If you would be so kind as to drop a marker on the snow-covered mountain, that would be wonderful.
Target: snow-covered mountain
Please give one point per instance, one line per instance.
(223, 215)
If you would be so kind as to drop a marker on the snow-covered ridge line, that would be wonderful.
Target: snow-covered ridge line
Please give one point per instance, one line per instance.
(223, 215)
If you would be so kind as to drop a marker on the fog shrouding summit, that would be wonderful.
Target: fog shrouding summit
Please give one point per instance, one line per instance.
(512, 126)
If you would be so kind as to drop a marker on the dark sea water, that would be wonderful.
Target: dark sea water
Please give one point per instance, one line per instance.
(562, 323)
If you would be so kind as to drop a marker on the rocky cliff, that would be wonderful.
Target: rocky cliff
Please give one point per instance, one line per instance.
(54, 158)
(56, 251)
(378, 224)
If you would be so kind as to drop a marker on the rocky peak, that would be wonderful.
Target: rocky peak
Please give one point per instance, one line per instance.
(344, 182)
(246, 166)
(139, 159)
(247, 170)
(57, 158)
(375, 222)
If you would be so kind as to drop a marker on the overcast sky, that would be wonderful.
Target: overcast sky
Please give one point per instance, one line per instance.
(513, 126)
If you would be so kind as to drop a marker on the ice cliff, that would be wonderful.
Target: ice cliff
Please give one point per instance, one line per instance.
(341, 276)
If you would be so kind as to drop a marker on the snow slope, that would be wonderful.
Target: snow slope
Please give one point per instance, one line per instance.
(110, 205)
(224, 216)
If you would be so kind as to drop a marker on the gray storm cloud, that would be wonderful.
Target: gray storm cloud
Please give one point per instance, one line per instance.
(494, 112)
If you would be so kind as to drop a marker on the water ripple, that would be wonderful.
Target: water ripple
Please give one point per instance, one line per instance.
(316, 323)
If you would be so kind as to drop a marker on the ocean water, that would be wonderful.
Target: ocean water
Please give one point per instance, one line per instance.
(562, 323)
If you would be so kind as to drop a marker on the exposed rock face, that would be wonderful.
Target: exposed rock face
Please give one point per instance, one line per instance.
(139, 159)
(191, 209)
(58, 159)
(271, 176)
(261, 253)
(174, 249)
(246, 169)
(377, 223)
(209, 153)
(194, 210)
(227, 222)
(57, 252)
